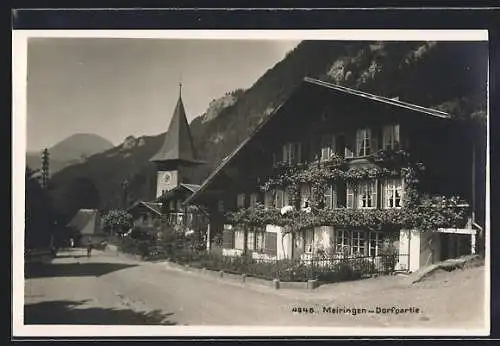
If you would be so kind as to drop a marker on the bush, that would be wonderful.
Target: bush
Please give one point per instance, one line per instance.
(342, 270)
(362, 266)
(287, 270)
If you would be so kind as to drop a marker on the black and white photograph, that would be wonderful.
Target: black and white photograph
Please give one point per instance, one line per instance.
(251, 183)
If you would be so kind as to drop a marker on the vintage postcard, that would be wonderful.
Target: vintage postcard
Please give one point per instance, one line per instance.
(250, 183)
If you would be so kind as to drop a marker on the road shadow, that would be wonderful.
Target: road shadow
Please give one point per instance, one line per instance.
(71, 312)
(70, 256)
(41, 270)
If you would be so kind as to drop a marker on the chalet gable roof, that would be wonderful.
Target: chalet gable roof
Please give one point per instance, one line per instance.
(189, 188)
(153, 206)
(391, 101)
(86, 221)
(330, 86)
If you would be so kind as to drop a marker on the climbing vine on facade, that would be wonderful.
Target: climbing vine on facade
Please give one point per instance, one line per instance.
(419, 211)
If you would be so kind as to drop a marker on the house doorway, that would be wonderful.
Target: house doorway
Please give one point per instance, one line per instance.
(299, 243)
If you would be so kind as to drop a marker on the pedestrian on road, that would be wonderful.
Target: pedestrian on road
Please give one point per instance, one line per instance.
(89, 248)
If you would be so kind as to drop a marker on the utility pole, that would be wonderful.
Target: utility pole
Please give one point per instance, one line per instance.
(125, 185)
(45, 168)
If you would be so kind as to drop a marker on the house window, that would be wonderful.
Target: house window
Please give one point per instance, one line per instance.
(393, 193)
(240, 201)
(367, 194)
(330, 197)
(309, 241)
(292, 152)
(350, 196)
(363, 141)
(268, 199)
(342, 242)
(255, 241)
(390, 136)
(251, 240)
(259, 241)
(375, 243)
(358, 243)
(239, 239)
(305, 195)
(281, 199)
(327, 147)
(254, 197)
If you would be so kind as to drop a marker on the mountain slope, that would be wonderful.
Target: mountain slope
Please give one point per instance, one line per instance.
(447, 75)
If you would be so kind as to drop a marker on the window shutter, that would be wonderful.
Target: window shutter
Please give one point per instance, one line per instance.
(298, 153)
(278, 156)
(305, 194)
(386, 136)
(341, 195)
(397, 136)
(228, 239)
(382, 186)
(246, 200)
(279, 199)
(334, 196)
(325, 147)
(350, 144)
(313, 149)
(251, 240)
(254, 199)
(268, 199)
(305, 150)
(375, 138)
(350, 196)
(379, 202)
(404, 137)
(328, 196)
(333, 146)
(271, 243)
(240, 201)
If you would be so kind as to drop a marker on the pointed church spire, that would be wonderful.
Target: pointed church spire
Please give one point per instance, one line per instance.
(178, 144)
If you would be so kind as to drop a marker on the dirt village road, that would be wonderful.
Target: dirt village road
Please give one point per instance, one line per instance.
(108, 289)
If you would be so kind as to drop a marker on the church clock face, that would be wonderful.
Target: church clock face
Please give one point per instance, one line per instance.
(166, 180)
(167, 177)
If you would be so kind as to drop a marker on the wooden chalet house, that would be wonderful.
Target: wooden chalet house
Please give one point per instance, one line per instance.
(361, 170)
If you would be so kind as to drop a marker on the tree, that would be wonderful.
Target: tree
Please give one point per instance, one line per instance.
(81, 193)
(125, 187)
(117, 221)
(39, 212)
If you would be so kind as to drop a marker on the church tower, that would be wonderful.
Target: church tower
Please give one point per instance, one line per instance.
(177, 153)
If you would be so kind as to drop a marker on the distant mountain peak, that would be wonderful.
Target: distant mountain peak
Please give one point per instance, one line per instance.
(74, 149)
(78, 145)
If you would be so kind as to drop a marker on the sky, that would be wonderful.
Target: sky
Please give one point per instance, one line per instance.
(116, 87)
